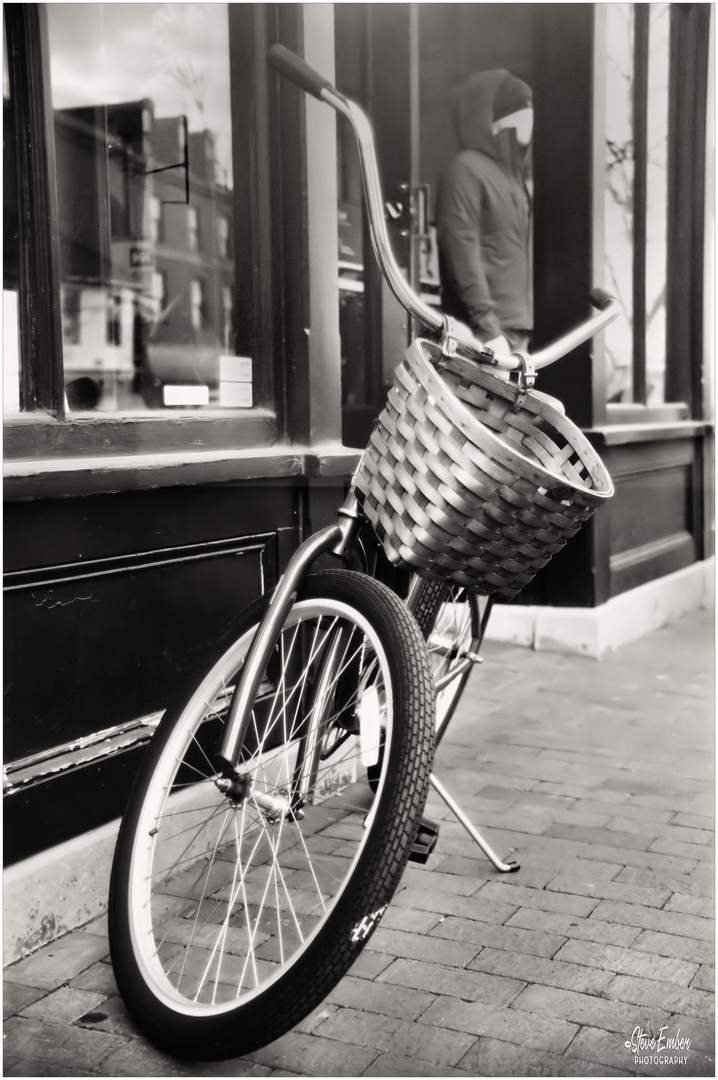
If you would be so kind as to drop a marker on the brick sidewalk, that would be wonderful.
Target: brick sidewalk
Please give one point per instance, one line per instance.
(599, 775)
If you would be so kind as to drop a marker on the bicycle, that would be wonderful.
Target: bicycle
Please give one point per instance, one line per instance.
(281, 796)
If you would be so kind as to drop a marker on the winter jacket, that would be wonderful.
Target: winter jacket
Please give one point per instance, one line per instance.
(483, 218)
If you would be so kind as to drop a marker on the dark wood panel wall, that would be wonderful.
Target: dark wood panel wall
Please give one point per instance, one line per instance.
(657, 515)
(110, 601)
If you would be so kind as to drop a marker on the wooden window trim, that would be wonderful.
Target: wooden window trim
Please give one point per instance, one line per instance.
(43, 430)
(41, 385)
(104, 473)
(689, 60)
(642, 14)
(637, 430)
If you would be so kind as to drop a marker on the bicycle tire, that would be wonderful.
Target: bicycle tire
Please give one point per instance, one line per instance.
(450, 620)
(185, 943)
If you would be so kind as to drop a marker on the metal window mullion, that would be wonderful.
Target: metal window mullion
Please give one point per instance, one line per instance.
(40, 323)
(640, 196)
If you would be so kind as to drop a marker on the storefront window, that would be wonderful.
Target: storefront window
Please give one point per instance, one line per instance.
(351, 271)
(141, 99)
(657, 202)
(618, 206)
(635, 206)
(11, 352)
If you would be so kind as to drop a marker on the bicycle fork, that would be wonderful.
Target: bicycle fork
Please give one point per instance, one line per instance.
(336, 538)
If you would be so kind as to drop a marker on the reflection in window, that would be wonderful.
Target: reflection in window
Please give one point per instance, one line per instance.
(71, 299)
(196, 296)
(10, 316)
(355, 390)
(192, 229)
(657, 202)
(619, 196)
(144, 154)
(222, 237)
(635, 206)
(114, 320)
(155, 219)
(159, 290)
(227, 313)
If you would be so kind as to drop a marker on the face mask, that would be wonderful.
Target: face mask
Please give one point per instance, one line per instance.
(522, 121)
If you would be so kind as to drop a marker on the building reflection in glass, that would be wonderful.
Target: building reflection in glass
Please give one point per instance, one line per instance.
(144, 177)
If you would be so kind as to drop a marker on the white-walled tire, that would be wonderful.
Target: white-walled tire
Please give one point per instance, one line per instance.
(233, 913)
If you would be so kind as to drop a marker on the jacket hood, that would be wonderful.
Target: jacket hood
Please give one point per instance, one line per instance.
(473, 111)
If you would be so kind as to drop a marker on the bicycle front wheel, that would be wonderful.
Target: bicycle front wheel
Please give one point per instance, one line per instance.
(235, 908)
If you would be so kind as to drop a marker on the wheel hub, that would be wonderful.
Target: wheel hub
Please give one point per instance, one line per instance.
(237, 790)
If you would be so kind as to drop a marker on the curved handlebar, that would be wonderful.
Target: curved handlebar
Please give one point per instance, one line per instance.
(297, 70)
(608, 310)
(306, 78)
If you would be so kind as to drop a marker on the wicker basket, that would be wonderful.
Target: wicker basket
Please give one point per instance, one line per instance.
(461, 483)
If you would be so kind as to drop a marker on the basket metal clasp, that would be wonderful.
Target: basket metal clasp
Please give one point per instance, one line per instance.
(526, 376)
(449, 340)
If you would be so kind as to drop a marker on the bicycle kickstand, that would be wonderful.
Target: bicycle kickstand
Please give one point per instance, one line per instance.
(509, 867)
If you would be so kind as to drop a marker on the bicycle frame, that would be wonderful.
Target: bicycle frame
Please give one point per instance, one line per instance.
(339, 538)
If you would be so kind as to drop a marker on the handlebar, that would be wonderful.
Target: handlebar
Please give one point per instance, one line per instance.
(306, 78)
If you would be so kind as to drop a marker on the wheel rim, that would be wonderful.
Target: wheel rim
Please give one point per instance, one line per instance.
(228, 890)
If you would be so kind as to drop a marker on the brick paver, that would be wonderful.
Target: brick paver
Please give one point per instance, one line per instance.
(509, 1024)
(375, 997)
(57, 963)
(397, 1065)
(17, 997)
(465, 985)
(493, 1057)
(600, 1046)
(675, 945)
(553, 922)
(628, 962)
(63, 1006)
(536, 969)
(599, 776)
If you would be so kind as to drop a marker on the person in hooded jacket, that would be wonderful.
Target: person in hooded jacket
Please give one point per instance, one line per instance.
(483, 213)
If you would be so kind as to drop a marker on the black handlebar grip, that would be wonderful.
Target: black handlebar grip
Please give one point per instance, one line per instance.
(600, 299)
(296, 69)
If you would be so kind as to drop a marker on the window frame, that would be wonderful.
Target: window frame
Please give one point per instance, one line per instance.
(45, 431)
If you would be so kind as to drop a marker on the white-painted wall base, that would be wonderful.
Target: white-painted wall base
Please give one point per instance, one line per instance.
(595, 631)
(56, 891)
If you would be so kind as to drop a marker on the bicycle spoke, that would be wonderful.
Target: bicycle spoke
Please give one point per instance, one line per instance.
(179, 861)
(242, 874)
(199, 906)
